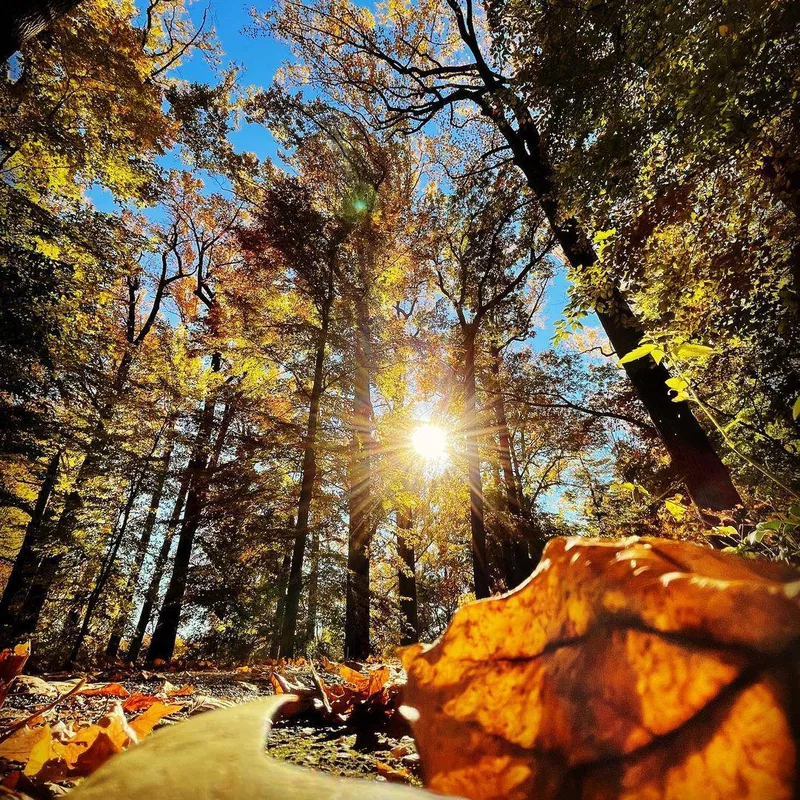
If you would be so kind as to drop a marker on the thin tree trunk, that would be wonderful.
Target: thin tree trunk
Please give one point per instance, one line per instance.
(313, 591)
(283, 580)
(104, 574)
(114, 641)
(158, 569)
(362, 525)
(307, 482)
(162, 645)
(407, 581)
(705, 477)
(21, 20)
(480, 560)
(15, 606)
(518, 565)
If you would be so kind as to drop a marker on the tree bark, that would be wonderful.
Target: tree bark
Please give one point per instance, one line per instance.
(518, 563)
(162, 645)
(16, 606)
(104, 574)
(480, 559)
(313, 591)
(114, 641)
(362, 525)
(307, 482)
(283, 580)
(158, 569)
(705, 477)
(21, 20)
(407, 581)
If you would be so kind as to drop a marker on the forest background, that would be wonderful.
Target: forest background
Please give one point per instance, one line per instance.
(298, 366)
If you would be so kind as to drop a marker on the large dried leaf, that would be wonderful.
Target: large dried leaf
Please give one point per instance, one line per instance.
(642, 668)
(221, 755)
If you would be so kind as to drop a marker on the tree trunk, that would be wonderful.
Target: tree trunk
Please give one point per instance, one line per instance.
(158, 569)
(21, 20)
(283, 580)
(407, 581)
(114, 641)
(518, 563)
(313, 591)
(162, 645)
(705, 477)
(104, 574)
(307, 482)
(15, 607)
(480, 560)
(362, 526)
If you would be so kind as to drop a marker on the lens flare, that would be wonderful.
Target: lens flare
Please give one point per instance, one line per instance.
(430, 442)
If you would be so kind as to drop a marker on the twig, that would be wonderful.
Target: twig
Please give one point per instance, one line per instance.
(23, 722)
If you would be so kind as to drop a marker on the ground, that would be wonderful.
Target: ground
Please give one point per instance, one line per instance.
(308, 740)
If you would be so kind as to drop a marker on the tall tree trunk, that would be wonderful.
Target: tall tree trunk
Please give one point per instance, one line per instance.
(115, 639)
(283, 580)
(162, 645)
(151, 595)
(407, 581)
(21, 20)
(105, 572)
(18, 623)
(705, 477)
(307, 482)
(313, 591)
(362, 525)
(518, 565)
(94, 456)
(480, 559)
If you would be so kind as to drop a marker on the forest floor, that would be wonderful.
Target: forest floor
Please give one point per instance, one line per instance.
(309, 740)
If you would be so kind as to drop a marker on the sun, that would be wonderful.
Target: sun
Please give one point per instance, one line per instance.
(430, 442)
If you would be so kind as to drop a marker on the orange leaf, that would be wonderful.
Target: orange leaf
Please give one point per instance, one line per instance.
(641, 668)
(139, 702)
(351, 676)
(11, 663)
(146, 721)
(107, 690)
(378, 678)
(391, 773)
(184, 691)
(19, 745)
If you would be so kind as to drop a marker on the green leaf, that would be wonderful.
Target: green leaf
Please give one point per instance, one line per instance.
(637, 353)
(726, 530)
(678, 510)
(601, 236)
(695, 351)
(657, 355)
(680, 397)
(678, 384)
(796, 409)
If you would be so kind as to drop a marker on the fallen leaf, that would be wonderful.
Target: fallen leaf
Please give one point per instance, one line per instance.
(184, 691)
(12, 660)
(221, 755)
(19, 745)
(392, 773)
(138, 702)
(105, 690)
(202, 703)
(30, 684)
(641, 668)
(146, 721)
(352, 676)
